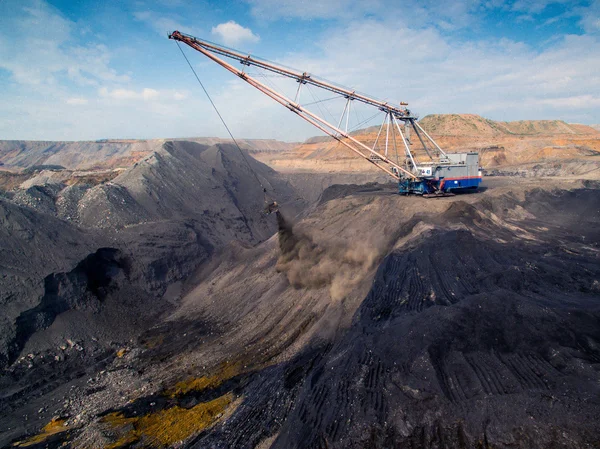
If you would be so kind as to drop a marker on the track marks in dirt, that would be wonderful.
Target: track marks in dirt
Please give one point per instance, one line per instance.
(463, 376)
(412, 281)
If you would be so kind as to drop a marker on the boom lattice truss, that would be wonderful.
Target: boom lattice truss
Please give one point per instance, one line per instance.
(393, 114)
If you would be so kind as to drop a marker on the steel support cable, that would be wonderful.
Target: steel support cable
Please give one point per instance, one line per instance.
(322, 101)
(265, 75)
(358, 119)
(318, 102)
(267, 81)
(364, 122)
(222, 120)
(271, 82)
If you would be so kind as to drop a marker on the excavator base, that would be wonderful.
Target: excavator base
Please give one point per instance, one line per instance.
(416, 187)
(436, 188)
(438, 195)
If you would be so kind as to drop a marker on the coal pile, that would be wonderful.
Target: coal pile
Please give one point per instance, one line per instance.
(483, 334)
(461, 342)
(88, 267)
(375, 321)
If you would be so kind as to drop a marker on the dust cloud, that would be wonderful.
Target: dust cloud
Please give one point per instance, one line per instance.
(333, 265)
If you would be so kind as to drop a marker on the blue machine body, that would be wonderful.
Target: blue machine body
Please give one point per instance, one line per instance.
(430, 186)
(453, 172)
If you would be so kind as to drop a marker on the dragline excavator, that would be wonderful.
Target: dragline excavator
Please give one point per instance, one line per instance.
(436, 173)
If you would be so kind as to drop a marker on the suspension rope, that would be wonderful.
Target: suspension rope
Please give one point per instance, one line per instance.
(265, 75)
(322, 101)
(318, 103)
(364, 122)
(356, 115)
(222, 120)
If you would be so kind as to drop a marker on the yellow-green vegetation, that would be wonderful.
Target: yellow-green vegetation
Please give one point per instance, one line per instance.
(52, 428)
(226, 371)
(117, 419)
(166, 427)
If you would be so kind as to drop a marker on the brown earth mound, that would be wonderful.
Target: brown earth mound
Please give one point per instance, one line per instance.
(499, 144)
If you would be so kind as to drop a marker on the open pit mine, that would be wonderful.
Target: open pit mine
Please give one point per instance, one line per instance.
(425, 283)
(148, 300)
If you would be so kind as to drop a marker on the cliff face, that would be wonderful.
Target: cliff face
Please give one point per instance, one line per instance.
(474, 125)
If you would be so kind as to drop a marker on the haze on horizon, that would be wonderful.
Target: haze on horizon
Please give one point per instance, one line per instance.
(87, 70)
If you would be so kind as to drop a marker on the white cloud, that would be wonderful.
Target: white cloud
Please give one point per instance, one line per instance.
(145, 94)
(590, 17)
(574, 102)
(232, 33)
(404, 54)
(149, 94)
(323, 9)
(445, 15)
(119, 94)
(180, 95)
(77, 101)
(435, 74)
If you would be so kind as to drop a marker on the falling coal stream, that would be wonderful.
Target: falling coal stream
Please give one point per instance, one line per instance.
(287, 240)
(325, 264)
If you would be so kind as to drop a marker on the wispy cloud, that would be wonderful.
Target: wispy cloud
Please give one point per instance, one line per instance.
(439, 74)
(288, 9)
(432, 55)
(590, 17)
(38, 48)
(574, 102)
(164, 24)
(146, 94)
(77, 101)
(445, 15)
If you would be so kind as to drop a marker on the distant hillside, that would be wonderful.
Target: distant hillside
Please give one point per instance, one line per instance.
(170, 183)
(471, 124)
(106, 154)
(498, 143)
(596, 127)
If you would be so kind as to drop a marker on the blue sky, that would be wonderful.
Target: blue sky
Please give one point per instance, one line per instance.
(74, 70)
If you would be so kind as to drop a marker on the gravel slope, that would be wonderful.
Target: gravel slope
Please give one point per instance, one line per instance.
(375, 321)
(87, 268)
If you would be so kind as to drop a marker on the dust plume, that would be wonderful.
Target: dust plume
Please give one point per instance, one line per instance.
(332, 265)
